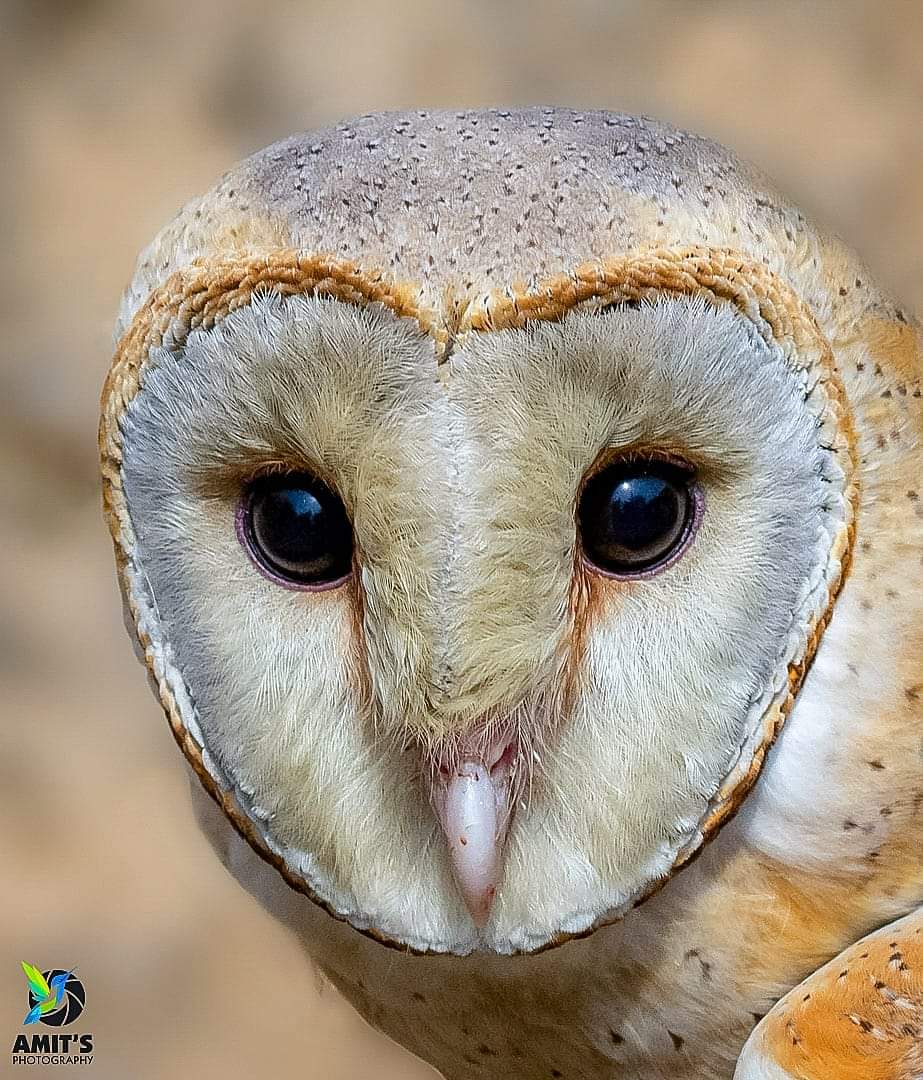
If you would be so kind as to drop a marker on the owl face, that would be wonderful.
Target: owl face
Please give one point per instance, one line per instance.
(476, 604)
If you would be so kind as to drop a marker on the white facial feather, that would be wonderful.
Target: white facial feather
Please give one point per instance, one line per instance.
(626, 780)
(461, 485)
(274, 673)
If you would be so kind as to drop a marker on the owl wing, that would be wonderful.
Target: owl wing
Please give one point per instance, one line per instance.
(859, 1017)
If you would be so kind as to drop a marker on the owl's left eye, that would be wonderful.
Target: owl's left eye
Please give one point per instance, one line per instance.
(295, 528)
(637, 515)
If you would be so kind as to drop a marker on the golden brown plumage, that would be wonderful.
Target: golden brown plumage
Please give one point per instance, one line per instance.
(860, 1017)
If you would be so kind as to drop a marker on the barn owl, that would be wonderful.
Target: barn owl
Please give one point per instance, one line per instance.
(518, 513)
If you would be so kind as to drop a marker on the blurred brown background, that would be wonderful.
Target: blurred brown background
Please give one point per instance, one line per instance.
(115, 113)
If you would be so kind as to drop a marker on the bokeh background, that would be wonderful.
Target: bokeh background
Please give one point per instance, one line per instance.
(113, 113)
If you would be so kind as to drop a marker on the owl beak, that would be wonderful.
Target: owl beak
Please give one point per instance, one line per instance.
(472, 799)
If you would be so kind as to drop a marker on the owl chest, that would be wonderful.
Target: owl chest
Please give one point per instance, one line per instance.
(632, 1001)
(672, 991)
(582, 1036)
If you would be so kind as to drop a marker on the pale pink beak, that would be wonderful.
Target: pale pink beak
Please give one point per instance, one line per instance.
(472, 797)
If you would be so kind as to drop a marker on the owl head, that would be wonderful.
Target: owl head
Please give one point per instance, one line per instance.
(481, 486)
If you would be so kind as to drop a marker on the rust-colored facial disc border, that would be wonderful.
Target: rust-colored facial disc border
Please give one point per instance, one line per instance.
(200, 295)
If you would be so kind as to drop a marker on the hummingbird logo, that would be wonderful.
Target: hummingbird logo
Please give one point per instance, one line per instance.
(55, 997)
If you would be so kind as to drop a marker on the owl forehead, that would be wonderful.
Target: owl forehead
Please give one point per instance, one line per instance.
(469, 196)
(474, 200)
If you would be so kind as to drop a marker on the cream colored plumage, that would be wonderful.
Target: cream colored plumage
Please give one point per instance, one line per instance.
(455, 321)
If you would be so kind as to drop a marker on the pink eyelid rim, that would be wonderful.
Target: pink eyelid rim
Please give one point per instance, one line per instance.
(691, 528)
(241, 527)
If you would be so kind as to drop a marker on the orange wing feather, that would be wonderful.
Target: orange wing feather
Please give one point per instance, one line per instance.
(859, 1017)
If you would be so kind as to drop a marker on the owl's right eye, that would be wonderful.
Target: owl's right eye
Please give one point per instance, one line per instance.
(295, 528)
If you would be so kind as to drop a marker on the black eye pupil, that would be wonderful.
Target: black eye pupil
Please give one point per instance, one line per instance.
(634, 514)
(297, 528)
